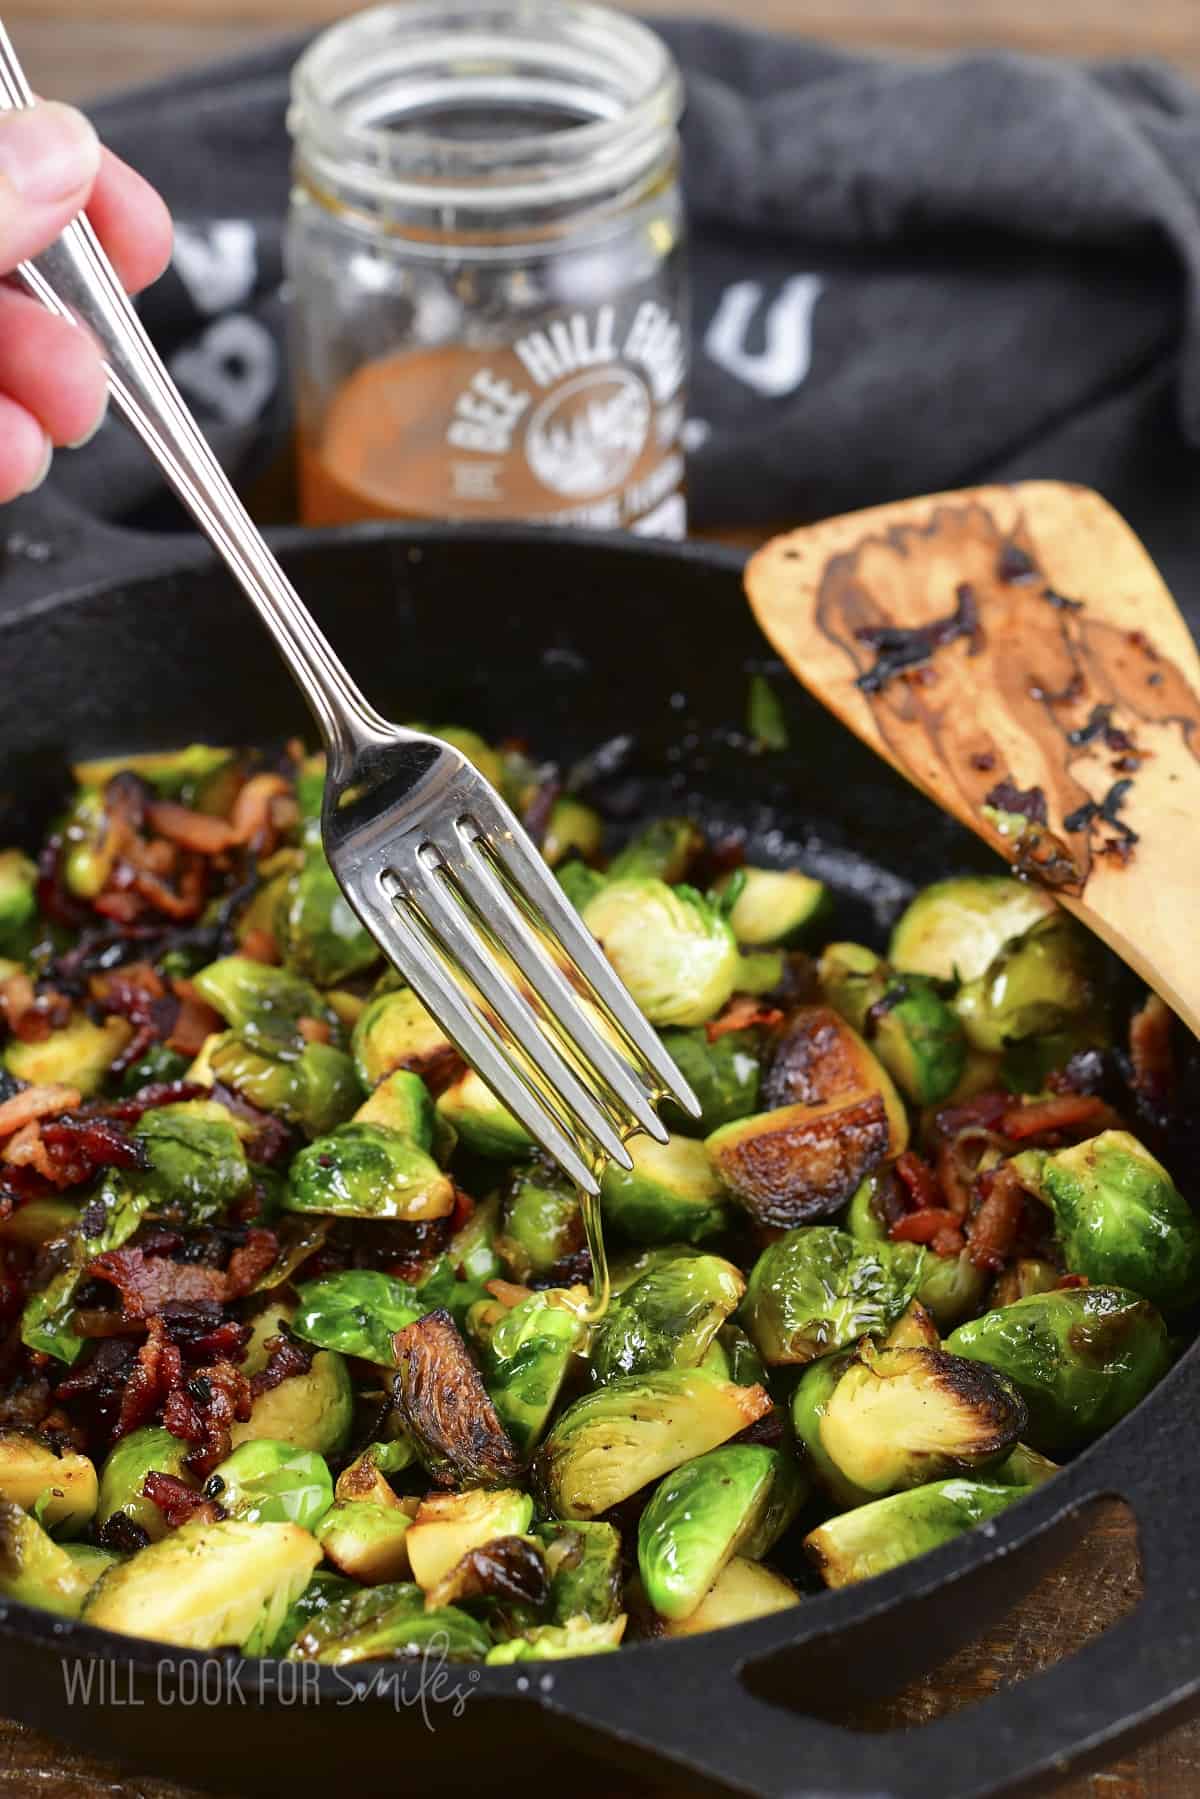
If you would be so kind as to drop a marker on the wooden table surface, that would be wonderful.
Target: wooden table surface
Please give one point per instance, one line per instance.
(80, 48)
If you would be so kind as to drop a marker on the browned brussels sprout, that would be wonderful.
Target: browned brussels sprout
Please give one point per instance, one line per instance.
(441, 1397)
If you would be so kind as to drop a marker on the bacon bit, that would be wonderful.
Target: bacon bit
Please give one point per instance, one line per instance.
(202, 1412)
(260, 946)
(157, 1370)
(179, 1503)
(1150, 1052)
(250, 1260)
(78, 1145)
(949, 1242)
(742, 1012)
(26, 1150)
(286, 1356)
(254, 819)
(955, 1187)
(924, 1226)
(1066, 1112)
(464, 1207)
(994, 1228)
(314, 1030)
(507, 1293)
(196, 1020)
(35, 1102)
(1066, 1281)
(918, 1179)
(147, 1283)
(191, 830)
(184, 901)
(31, 1016)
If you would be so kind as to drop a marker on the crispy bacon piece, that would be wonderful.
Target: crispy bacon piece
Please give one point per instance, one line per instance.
(985, 1110)
(77, 1145)
(955, 1187)
(949, 1242)
(1066, 1112)
(26, 1150)
(314, 1030)
(202, 1412)
(286, 1356)
(179, 1503)
(742, 1012)
(157, 1370)
(994, 1228)
(148, 1282)
(194, 1021)
(35, 1102)
(925, 1226)
(260, 946)
(919, 1182)
(263, 807)
(195, 831)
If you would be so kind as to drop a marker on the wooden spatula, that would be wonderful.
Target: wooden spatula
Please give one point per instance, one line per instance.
(1016, 654)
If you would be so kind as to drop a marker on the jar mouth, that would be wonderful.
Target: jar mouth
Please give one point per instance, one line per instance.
(484, 103)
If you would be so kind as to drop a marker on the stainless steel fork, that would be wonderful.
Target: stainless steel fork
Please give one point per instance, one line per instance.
(431, 859)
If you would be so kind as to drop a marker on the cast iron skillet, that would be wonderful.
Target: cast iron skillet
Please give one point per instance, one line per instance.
(127, 643)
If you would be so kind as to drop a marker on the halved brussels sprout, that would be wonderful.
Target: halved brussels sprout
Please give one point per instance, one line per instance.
(265, 1004)
(739, 1499)
(150, 1450)
(113, 1214)
(738, 1359)
(364, 1477)
(891, 1419)
(402, 1102)
(574, 830)
(615, 1441)
(58, 1485)
(875, 1538)
(367, 1540)
(674, 952)
(78, 1055)
(744, 1590)
(356, 1312)
(953, 929)
(1080, 1358)
(555, 1642)
(442, 1399)
(311, 1411)
(912, 1029)
(483, 1124)
(803, 1162)
(724, 1076)
(388, 1621)
(671, 1193)
(541, 1223)
(322, 1590)
(662, 850)
(91, 1560)
(265, 1481)
(1043, 982)
(90, 843)
(1024, 1467)
(198, 1168)
(1028, 1274)
(527, 1357)
(508, 1573)
(449, 1525)
(18, 902)
(950, 1288)
(368, 1171)
(1121, 1220)
(820, 1060)
(667, 1318)
(206, 1585)
(316, 928)
(35, 1569)
(815, 1290)
(314, 1087)
(395, 1031)
(914, 1329)
(473, 1252)
(773, 905)
(579, 882)
(583, 1560)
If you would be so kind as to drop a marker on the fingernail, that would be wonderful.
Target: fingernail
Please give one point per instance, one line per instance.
(48, 152)
(88, 435)
(43, 471)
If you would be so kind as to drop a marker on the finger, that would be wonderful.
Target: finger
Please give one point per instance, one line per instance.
(51, 368)
(24, 451)
(49, 157)
(132, 222)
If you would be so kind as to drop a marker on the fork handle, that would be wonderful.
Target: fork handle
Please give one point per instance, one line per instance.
(75, 279)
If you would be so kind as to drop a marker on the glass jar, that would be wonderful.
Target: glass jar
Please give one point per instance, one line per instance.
(485, 256)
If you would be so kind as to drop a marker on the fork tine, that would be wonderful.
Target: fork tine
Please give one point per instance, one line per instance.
(472, 1034)
(542, 893)
(492, 900)
(460, 941)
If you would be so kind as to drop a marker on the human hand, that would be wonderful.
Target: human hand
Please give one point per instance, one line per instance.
(53, 388)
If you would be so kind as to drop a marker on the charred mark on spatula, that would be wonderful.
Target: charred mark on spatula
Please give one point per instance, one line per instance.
(898, 648)
(1029, 802)
(1105, 811)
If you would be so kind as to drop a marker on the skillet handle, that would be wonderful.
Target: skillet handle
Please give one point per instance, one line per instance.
(707, 1713)
(50, 548)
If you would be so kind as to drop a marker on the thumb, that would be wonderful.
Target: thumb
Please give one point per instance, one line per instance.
(49, 158)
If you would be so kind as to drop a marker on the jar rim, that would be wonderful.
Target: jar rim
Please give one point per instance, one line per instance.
(635, 81)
